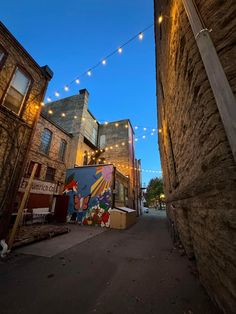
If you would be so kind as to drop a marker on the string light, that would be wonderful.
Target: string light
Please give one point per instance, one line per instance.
(120, 50)
(57, 94)
(77, 81)
(145, 129)
(117, 124)
(144, 136)
(160, 19)
(140, 36)
(66, 88)
(159, 130)
(42, 104)
(75, 117)
(106, 122)
(89, 73)
(104, 62)
(49, 99)
(63, 114)
(50, 111)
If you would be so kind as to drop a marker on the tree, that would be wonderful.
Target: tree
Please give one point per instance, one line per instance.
(154, 194)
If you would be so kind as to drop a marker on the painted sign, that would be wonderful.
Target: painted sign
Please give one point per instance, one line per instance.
(90, 194)
(38, 187)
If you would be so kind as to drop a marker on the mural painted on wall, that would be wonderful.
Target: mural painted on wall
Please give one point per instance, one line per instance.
(90, 194)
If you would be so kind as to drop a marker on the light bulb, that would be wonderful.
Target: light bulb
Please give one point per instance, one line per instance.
(77, 81)
(104, 62)
(160, 19)
(75, 117)
(57, 94)
(50, 111)
(49, 99)
(89, 73)
(120, 50)
(66, 88)
(63, 114)
(140, 36)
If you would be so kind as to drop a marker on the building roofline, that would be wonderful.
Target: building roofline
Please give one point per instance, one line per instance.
(3, 28)
(55, 124)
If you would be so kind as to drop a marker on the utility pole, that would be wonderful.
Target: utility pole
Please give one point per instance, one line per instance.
(221, 89)
(22, 205)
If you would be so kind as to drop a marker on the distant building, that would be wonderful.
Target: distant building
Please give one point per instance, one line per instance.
(23, 84)
(94, 143)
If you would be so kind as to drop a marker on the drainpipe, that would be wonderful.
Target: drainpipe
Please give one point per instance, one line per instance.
(221, 89)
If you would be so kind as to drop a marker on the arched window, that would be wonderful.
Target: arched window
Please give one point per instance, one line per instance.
(46, 139)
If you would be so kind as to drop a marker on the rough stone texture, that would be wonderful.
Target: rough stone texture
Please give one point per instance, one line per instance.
(198, 166)
(77, 121)
(52, 158)
(16, 130)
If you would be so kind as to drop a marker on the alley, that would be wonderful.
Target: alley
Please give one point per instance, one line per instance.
(133, 271)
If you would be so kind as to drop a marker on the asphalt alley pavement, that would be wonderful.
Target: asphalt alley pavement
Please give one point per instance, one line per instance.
(114, 272)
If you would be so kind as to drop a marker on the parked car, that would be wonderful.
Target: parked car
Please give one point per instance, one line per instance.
(146, 210)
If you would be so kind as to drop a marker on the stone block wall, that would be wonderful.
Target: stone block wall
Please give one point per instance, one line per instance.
(198, 166)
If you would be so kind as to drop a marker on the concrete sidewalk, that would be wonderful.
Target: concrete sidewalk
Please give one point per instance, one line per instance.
(135, 271)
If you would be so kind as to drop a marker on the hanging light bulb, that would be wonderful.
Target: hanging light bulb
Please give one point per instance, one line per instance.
(66, 88)
(159, 130)
(42, 104)
(153, 130)
(63, 114)
(120, 50)
(140, 35)
(136, 140)
(152, 133)
(49, 99)
(77, 81)
(160, 19)
(116, 124)
(106, 122)
(144, 136)
(123, 144)
(75, 117)
(126, 126)
(145, 129)
(57, 94)
(89, 72)
(104, 62)
(50, 111)
(136, 127)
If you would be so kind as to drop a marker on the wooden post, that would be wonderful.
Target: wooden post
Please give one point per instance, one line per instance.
(22, 205)
(221, 89)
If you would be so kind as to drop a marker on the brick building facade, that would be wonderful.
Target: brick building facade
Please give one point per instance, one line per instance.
(199, 170)
(50, 149)
(22, 87)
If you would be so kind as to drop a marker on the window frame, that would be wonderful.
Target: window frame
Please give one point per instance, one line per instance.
(26, 96)
(29, 170)
(54, 174)
(2, 62)
(49, 144)
(62, 157)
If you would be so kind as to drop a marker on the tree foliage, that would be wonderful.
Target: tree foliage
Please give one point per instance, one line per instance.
(154, 191)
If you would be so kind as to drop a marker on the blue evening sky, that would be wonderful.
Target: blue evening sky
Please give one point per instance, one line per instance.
(71, 36)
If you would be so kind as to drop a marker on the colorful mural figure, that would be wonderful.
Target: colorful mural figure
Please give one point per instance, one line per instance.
(90, 194)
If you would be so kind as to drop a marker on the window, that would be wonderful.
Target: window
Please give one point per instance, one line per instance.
(45, 141)
(50, 174)
(30, 169)
(62, 150)
(17, 91)
(3, 56)
(102, 141)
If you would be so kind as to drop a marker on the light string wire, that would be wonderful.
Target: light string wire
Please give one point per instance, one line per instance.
(101, 62)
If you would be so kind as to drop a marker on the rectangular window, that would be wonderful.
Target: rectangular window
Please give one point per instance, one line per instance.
(17, 91)
(62, 150)
(3, 56)
(50, 174)
(30, 169)
(46, 138)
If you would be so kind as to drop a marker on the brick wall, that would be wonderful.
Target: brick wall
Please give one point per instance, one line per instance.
(198, 166)
(16, 129)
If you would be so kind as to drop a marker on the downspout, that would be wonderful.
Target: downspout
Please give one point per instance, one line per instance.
(221, 89)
